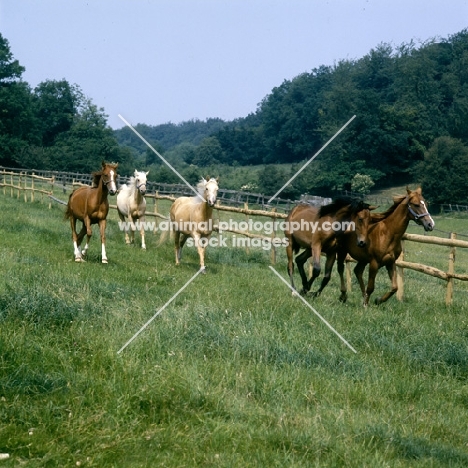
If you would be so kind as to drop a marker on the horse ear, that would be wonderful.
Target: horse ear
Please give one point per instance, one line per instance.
(147, 172)
(207, 178)
(217, 179)
(408, 191)
(103, 164)
(419, 190)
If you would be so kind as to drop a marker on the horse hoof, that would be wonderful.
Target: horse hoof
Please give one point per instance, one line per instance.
(79, 260)
(304, 292)
(104, 260)
(294, 293)
(343, 298)
(203, 270)
(315, 294)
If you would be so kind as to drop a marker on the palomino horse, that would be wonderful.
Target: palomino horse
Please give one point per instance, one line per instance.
(383, 242)
(192, 217)
(317, 232)
(131, 205)
(90, 205)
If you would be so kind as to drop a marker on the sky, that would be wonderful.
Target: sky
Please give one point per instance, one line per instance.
(160, 61)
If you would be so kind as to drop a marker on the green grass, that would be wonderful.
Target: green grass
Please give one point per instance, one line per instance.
(235, 372)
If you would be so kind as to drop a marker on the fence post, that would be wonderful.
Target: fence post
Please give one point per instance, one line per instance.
(400, 274)
(348, 275)
(32, 187)
(51, 191)
(451, 269)
(247, 248)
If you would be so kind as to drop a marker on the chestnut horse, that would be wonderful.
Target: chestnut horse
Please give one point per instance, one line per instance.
(90, 206)
(318, 232)
(383, 243)
(192, 217)
(131, 204)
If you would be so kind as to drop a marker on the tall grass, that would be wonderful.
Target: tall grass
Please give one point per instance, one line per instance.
(234, 372)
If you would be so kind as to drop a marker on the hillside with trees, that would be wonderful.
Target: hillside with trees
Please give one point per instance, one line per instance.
(411, 125)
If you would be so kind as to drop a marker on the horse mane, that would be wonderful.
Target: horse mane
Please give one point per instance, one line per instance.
(96, 178)
(342, 202)
(397, 200)
(201, 188)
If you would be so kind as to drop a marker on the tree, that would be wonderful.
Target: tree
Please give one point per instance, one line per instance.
(208, 152)
(362, 183)
(443, 172)
(18, 126)
(56, 103)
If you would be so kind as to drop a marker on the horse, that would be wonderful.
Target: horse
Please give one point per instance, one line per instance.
(131, 205)
(90, 206)
(383, 243)
(316, 233)
(192, 217)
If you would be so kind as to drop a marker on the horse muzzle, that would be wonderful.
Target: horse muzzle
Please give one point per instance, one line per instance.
(361, 243)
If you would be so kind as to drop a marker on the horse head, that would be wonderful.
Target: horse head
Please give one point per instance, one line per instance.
(362, 221)
(109, 176)
(417, 209)
(140, 181)
(210, 190)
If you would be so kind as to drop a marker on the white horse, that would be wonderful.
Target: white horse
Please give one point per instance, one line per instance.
(131, 206)
(192, 217)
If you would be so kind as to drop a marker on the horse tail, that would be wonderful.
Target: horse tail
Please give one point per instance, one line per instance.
(166, 233)
(68, 212)
(295, 246)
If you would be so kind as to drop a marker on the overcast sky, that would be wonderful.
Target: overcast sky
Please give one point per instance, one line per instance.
(159, 61)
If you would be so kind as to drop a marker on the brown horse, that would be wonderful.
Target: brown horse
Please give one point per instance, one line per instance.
(383, 243)
(317, 230)
(90, 206)
(192, 217)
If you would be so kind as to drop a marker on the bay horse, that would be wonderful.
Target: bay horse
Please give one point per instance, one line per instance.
(90, 206)
(383, 243)
(131, 205)
(193, 217)
(316, 233)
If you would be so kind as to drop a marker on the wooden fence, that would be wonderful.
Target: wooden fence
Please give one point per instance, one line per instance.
(19, 181)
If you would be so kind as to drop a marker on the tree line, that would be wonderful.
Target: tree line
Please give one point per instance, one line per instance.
(411, 125)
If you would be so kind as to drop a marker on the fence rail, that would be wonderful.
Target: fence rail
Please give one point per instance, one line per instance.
(44, 183)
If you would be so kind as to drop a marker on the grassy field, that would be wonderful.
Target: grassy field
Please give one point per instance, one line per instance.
(235, 372)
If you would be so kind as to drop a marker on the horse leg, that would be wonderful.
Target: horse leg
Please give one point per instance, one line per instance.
(391, 269)
(89, 231)
(373, 269)
(177, 247)
(76, 239)
(300, 260)
(316, 252)
(289, 253)
(102, 228)
(199, 241)
(340, 267)
(359, 271)
(125, 226)
(331, 257)
(131, 240)
(142, 232)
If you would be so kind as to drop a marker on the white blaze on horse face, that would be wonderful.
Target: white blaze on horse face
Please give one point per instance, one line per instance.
(211, 193)
(111, 184)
